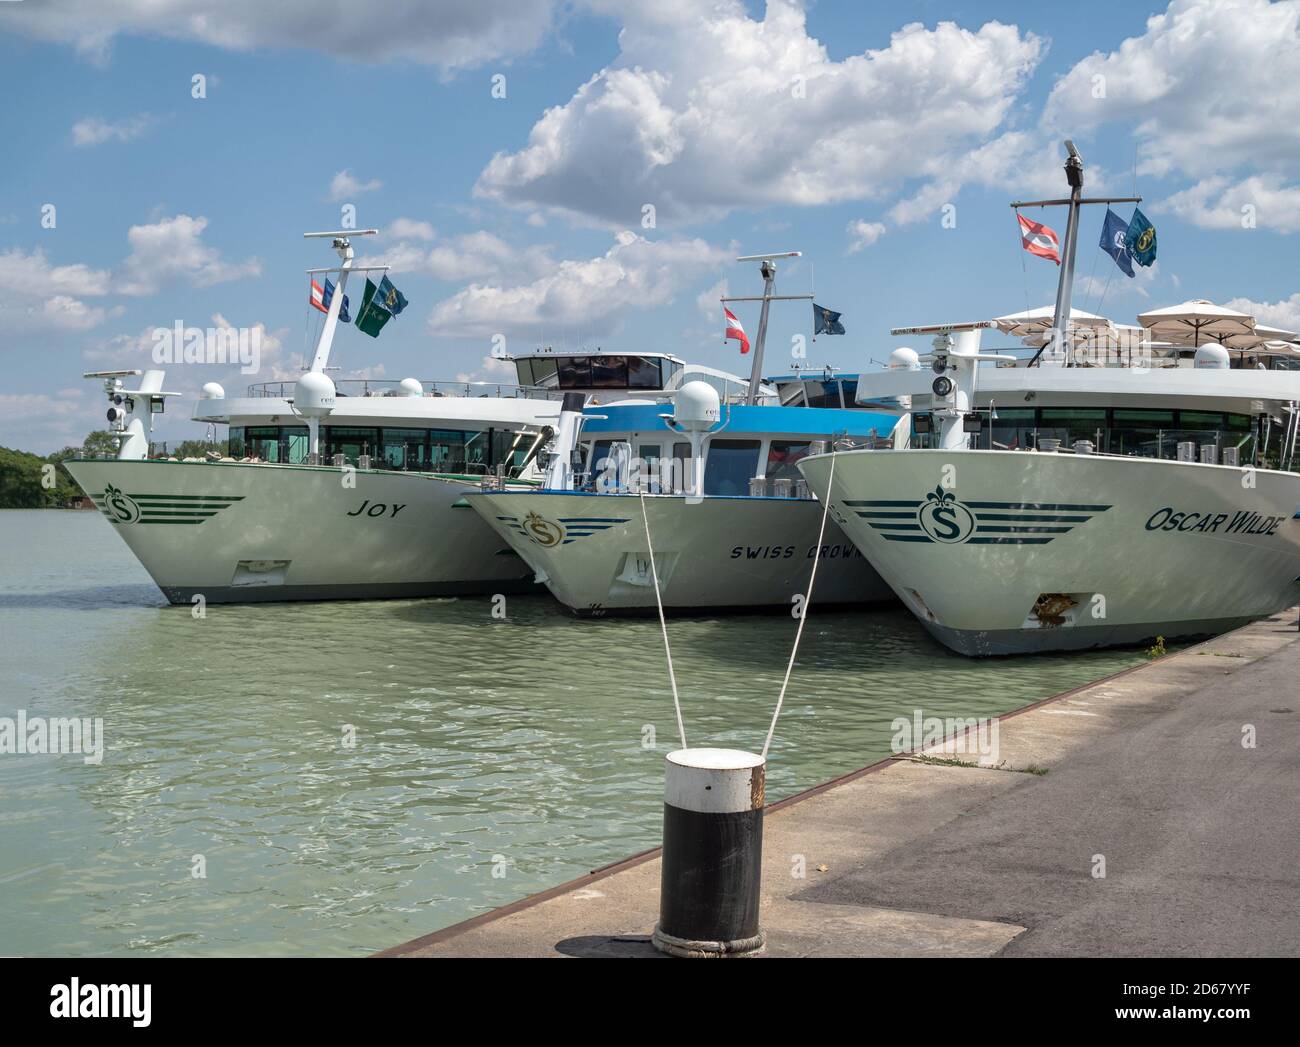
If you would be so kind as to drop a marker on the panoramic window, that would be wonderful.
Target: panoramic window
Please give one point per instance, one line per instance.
(446, 450)
(575, 372)
(609, 372)
(782, 457)
(403, 449)
(730, 465)
(643, 373)
(349, 441)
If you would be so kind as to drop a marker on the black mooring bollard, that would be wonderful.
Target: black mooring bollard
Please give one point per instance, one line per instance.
(713, 854)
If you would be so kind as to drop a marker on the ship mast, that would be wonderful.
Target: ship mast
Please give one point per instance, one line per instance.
(343, 245)
(1065, 283)
(767, 269)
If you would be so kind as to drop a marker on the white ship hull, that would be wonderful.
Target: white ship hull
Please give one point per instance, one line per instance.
(721, 553)
(238, 533)
(1044, 552)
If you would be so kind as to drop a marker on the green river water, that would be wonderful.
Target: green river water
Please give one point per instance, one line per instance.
(492, 758)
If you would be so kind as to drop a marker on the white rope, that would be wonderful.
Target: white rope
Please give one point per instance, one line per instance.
(803, 617)
(663, 625)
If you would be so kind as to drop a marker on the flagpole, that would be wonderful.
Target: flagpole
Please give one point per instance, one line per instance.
(767, 268)
(1065, 283)
(343, 245)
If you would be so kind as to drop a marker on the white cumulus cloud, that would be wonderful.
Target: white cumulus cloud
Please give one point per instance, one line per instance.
(95, 131)
(706, 110)
(1257, 202)
(345, 185)
(448, 34)
(863, 234)
(592, 293)
(172, 249)
(1208, 87)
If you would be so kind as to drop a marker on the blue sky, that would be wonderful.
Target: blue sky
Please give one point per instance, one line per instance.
(828, 128)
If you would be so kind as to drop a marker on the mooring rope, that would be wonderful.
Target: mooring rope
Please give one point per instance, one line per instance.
(663, 625)
(803, 617)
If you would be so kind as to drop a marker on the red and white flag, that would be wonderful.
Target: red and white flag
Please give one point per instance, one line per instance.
(734, 330)
(1038, 239)
(317, 299)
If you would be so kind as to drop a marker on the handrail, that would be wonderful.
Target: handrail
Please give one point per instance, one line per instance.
(370, 387)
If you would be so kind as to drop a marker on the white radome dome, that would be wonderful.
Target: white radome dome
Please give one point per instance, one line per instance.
(697, 407)
(411, 387)
(213, 391)
(904, 358)
(313, 395)
(1212, 356)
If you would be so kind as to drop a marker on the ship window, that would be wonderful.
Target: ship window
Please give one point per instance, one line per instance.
(446, 450)
(1069, 424)
(575, 372)
(609, 372)
(509, 449)
(543, 372)
(350, 441)
(1200, 420)
(782, 456)
(731, 464)
(404, 449)
(263, 442)
(1146, 419)
(1143, 433)
(643, 373)
(1013, 429)
(599, 452)
(295, 442)
(1240, 422)
(478, 449)
(235, 441)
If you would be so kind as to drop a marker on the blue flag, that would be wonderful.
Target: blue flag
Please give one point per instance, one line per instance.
(826, 321)
(328, 296)
(1141, 239)
(1114, 233)
(390, 297)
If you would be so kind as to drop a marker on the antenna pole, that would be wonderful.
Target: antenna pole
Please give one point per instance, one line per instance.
(326, 341)
(1065, 286)
(342, 243)
(768, 269)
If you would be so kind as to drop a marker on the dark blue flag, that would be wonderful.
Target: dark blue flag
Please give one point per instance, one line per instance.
(328, 297)
(826, 321)
(1114, 232)
(390, 297)
(1141, 239)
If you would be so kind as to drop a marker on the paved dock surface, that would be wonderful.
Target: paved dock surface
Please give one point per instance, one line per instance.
(1147, 780)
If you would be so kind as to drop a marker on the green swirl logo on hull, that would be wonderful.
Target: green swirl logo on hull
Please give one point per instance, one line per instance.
(192, 509)
(564, 531)
(119, 507)
(943, 519)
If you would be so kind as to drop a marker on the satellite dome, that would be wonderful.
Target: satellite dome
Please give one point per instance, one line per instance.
(904, 358)
(697, 407)
(411, 387)
(313, 395)
(213, 391)
(1212, 356)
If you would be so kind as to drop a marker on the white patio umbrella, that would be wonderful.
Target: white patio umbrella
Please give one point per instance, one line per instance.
(1260, 338)
(1196, 321)
(1036, 321)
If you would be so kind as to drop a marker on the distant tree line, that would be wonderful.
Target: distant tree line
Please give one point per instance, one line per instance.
(27, 483)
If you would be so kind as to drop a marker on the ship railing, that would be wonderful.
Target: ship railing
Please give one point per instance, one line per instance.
(284, 390)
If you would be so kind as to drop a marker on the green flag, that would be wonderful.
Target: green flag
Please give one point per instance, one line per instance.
(373, 315)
